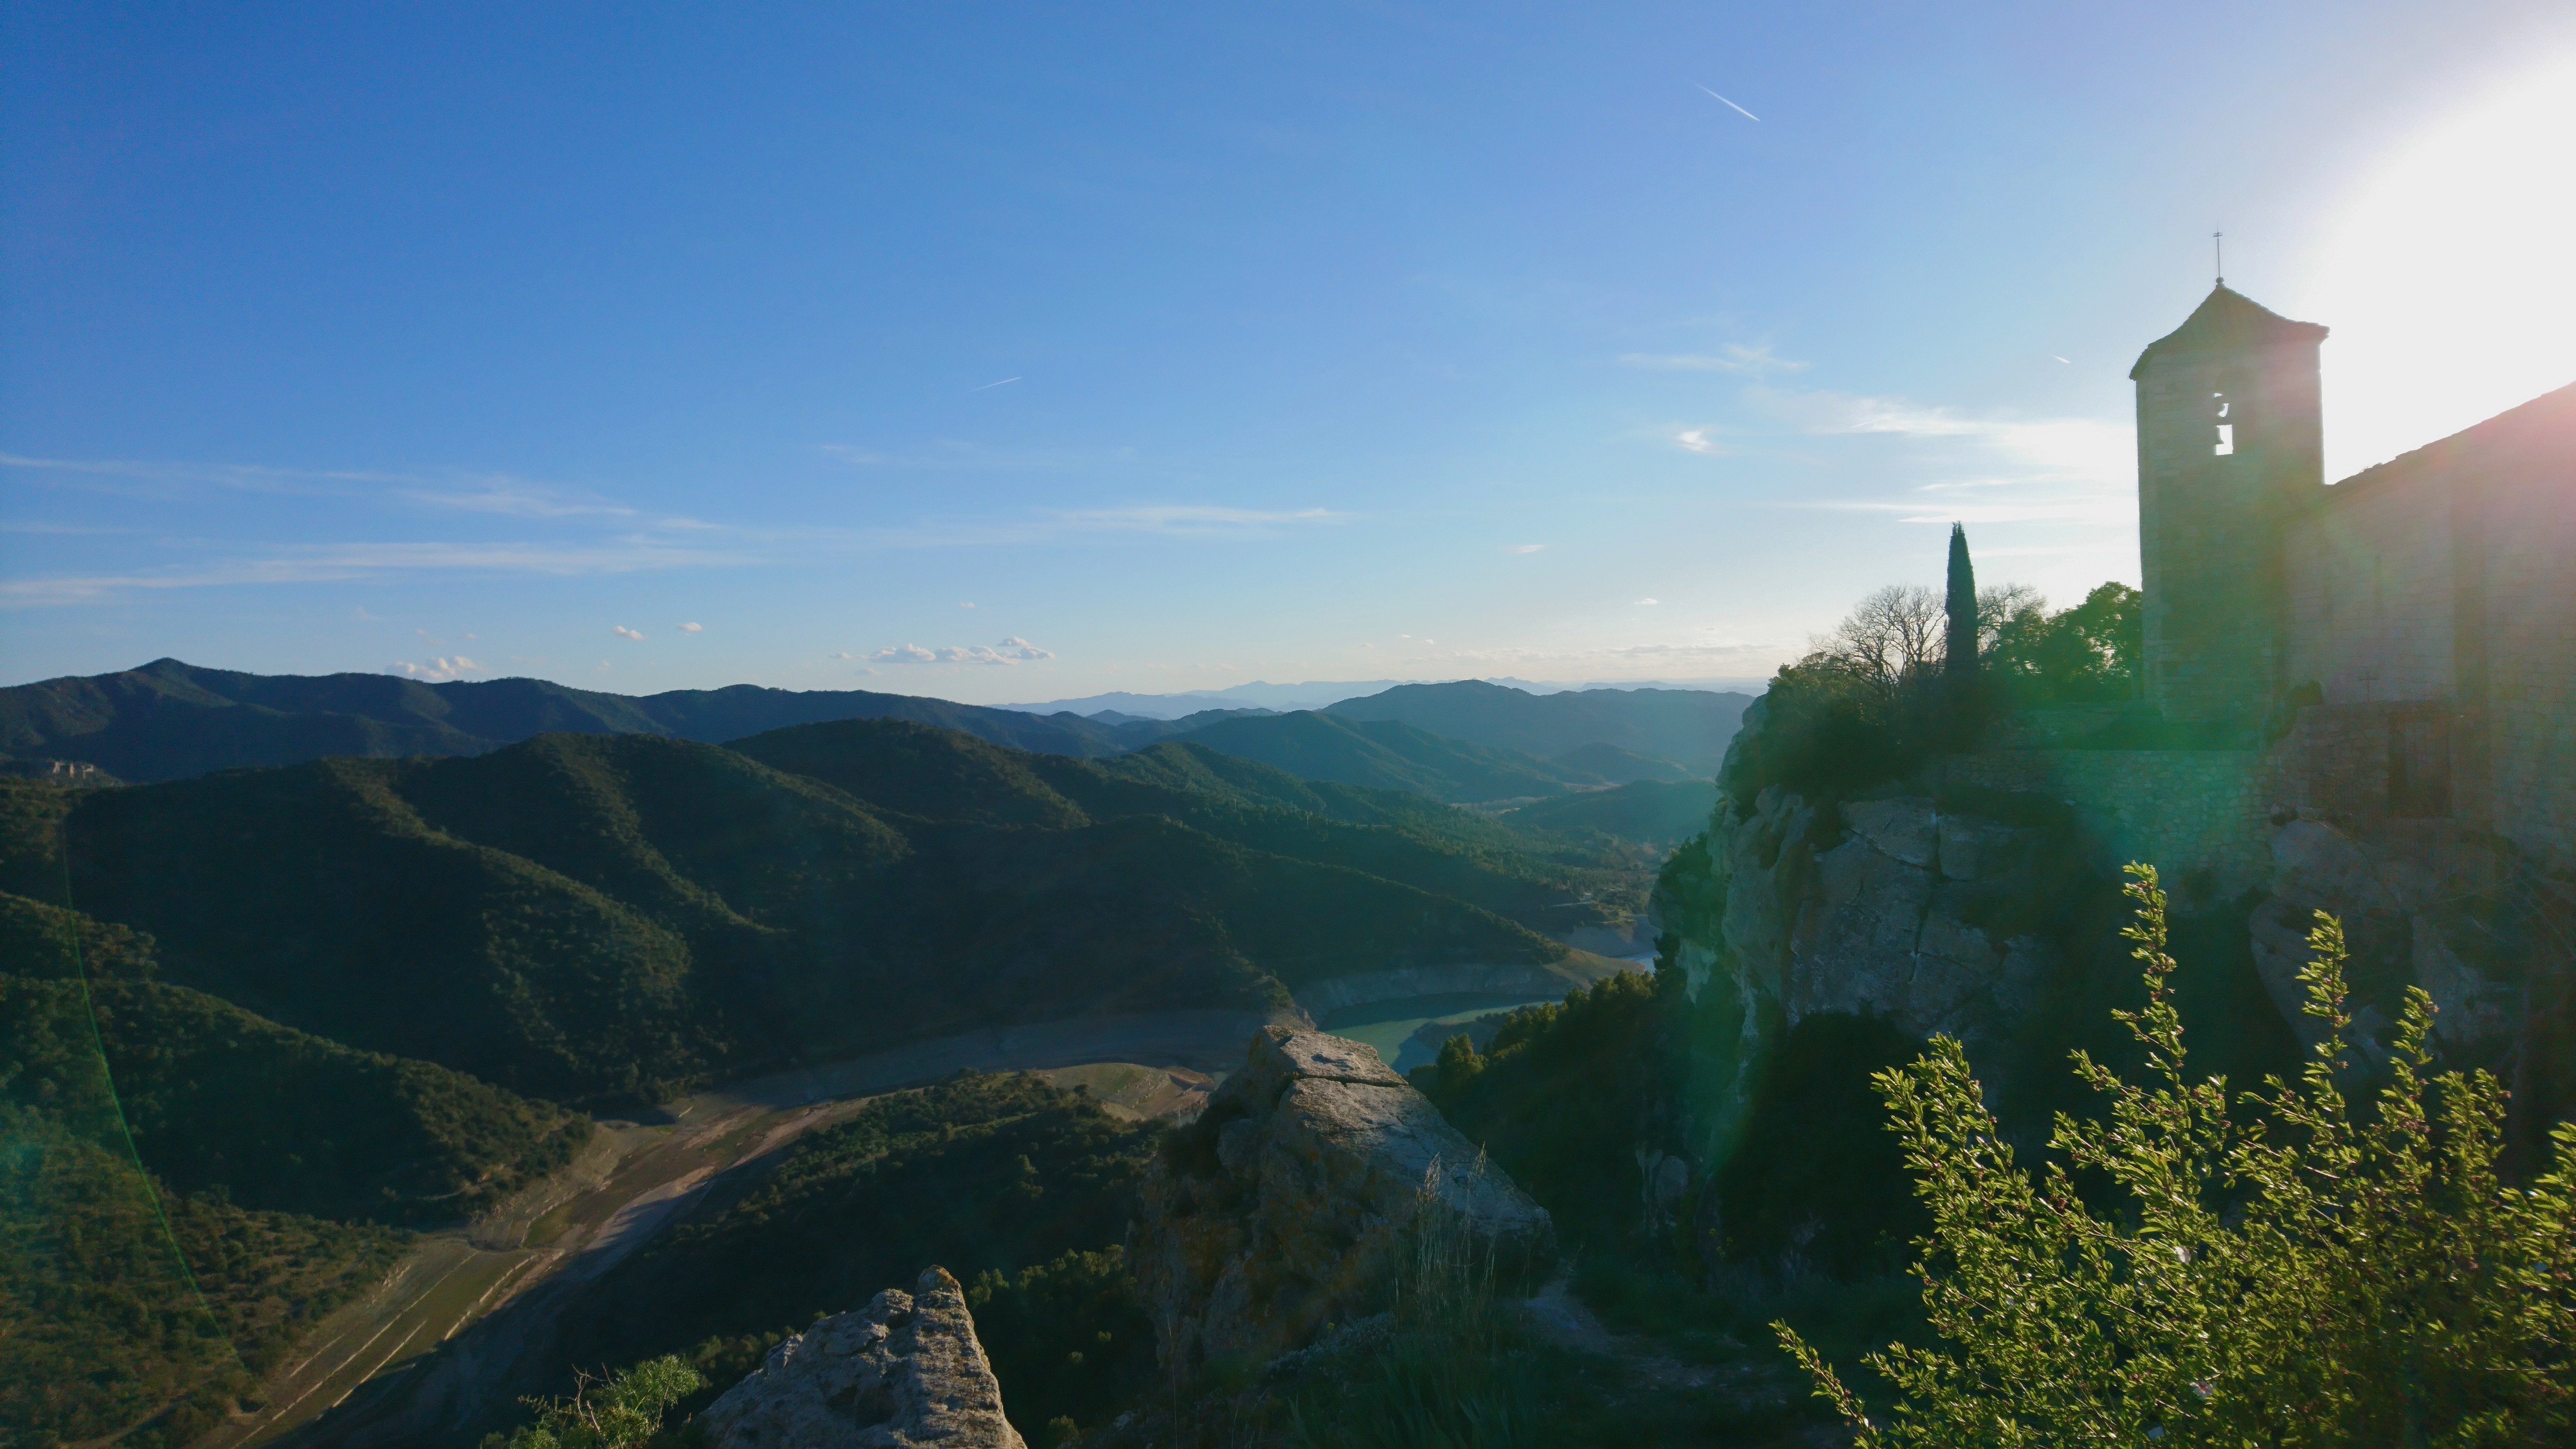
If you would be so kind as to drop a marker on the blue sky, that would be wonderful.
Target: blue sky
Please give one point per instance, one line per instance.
(1014, 352)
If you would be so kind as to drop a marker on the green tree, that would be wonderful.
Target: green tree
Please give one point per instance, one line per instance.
(2310, 1276)
(1959, 652)
(2087, 653)
(622, 1411)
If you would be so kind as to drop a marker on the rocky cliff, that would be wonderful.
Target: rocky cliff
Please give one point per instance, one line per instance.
(906, 1370)
(1285, 1207)
(1975, 913)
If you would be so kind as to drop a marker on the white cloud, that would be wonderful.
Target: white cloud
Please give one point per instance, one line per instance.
(1645, 601)
(2072, 448)
(623, 632)
(437, 670)
(1730, 358)
(967, 605)
(1523, 547)
(1697, 440)
(1014, 650)
(693, 628)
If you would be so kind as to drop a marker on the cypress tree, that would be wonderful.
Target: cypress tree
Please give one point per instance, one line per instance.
(1960, 643)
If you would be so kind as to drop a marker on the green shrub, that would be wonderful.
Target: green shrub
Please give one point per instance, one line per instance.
(1069, 1339)
(1565, 1095)
(621, 1411)
(2311, 1276)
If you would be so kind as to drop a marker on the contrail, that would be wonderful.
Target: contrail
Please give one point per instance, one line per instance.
(1748, 115)
(992, 384)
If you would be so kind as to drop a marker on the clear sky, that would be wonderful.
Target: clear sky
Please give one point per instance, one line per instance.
(1014, 352)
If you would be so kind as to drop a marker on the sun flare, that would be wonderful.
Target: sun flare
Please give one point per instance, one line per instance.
(2449, 276)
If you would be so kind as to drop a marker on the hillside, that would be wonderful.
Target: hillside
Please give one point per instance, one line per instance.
(169, 720)
(218, 1099)
(1024, 1177)
(1387, 754)
(609, 918)
(1648, 811)
(1688, 727)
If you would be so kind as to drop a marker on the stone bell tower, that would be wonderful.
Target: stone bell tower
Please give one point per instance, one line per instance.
(2230, 444)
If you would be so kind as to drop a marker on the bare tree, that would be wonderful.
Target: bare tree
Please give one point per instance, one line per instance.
(1889, 636)
(1999, 604)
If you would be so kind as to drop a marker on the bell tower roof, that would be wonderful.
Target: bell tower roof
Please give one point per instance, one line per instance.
(2228, 321)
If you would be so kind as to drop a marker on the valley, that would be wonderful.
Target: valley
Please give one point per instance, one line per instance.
(419, 1358)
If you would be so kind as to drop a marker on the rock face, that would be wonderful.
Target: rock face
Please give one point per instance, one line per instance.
(2422, 903)
(1287, 1205)
(1883, 906)
(905, 1370)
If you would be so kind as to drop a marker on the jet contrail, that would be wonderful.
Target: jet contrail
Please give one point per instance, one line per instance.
(1748, 115)
(992, 384)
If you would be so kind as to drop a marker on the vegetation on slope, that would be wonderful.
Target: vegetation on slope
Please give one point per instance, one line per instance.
(1689, 727)
(1648, 811)
(1388, 754)
(1874, 697)
(606, 918)
(2273, 1267)
(169, 720)
(1021, 1190)
(219, 1100)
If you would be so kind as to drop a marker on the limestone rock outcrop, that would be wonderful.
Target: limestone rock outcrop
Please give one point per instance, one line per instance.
(1288, 1205)
(906, 1370)
(2422, 903)
(1884, 906)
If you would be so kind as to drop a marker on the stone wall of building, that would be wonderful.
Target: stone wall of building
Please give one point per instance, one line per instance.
(2523, 468)
(2201, 817)
(2433, 604)
(2371, 595)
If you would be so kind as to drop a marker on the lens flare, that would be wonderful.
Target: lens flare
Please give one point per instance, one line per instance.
(2449, 276)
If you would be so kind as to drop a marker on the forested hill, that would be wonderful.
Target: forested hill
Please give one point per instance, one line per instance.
(596, 918)
(1688, 727)
(169, 720)
(1390, 754)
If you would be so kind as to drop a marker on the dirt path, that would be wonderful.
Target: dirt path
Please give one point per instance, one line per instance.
(414, 1361)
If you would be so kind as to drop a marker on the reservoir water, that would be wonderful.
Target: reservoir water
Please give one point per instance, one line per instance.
(1389, 1026)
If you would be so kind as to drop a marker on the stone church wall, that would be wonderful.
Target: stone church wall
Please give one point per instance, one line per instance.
(2203, 818)
(2441, 588)
(2371, 592)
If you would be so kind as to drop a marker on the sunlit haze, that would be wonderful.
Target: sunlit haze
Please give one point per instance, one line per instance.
(1011, 355)
(2446, 276)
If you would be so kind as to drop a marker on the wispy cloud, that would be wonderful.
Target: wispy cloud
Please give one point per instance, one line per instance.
(2077, 471)
(1013, 650)
(1523, 547)
(514, 499)
(321, 563)
(1698, 440)
(1751, 361)
(622, 632)
(693, 628)
(437, 670)
(2067, 447)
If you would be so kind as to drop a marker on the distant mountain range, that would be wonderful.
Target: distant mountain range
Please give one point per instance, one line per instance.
(1688, 727)
(1321, 695)
(599, 918)
(1465, 741)
(169, 720)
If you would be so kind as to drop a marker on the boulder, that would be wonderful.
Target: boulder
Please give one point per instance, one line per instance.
(905, 1370)
(1287, 1206)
